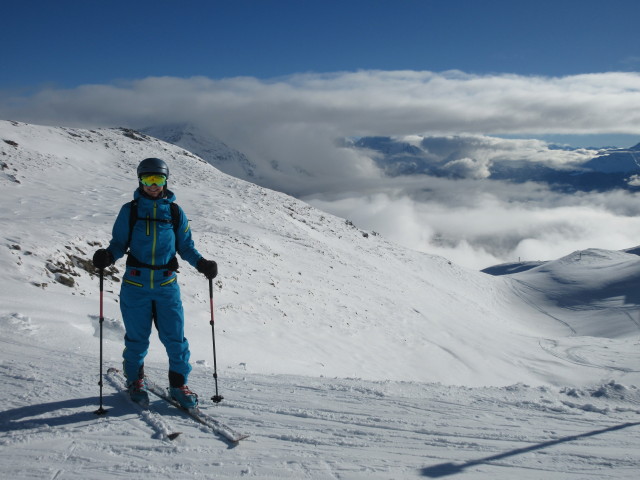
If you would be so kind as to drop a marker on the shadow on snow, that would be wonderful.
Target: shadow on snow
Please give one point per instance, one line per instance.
(449, 468)
(52, 414)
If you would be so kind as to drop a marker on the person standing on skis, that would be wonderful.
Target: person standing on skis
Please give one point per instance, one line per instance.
(151, 230)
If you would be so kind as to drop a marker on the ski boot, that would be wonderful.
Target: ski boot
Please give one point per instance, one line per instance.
(185, 397)
(138, 392)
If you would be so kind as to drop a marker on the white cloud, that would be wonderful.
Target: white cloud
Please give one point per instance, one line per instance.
(468, 168)
(293, 122)
(634, 180)
(366, 102)
(489, 149)
(481, 223)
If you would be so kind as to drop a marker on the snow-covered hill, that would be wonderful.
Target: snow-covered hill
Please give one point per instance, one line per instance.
(214, 151)
(342, 354)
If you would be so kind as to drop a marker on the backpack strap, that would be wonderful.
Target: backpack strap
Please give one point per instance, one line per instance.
(133, 218)
(175, 219)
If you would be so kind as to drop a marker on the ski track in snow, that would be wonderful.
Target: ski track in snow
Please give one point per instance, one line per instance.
(304, 427)
(331, 356)
(162, 428)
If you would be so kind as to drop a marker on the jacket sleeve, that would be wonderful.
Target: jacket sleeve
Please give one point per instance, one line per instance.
(184, 241)
(120, 233)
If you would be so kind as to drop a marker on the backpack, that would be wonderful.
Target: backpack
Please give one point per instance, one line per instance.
(133, 218)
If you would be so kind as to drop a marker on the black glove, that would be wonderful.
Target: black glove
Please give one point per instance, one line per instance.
(102, 258)
(208, 267)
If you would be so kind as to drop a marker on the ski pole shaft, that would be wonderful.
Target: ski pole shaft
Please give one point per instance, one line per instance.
(101, 410)
(216, 398)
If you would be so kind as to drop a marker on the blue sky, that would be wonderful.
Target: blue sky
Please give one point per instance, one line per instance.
(54, 51)
(282, 80)
(68, 43)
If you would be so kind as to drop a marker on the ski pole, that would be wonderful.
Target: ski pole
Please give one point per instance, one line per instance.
(216, 398)
(101, 410)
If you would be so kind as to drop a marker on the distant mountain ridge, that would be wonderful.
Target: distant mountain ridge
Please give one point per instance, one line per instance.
(616, 161)
(612, 168)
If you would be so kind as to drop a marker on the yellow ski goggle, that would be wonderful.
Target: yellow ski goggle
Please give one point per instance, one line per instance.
(153, 179)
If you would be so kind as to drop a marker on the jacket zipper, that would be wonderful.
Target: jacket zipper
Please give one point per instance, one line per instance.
(153, 244)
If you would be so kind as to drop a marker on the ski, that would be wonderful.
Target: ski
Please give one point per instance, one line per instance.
(163, 430)
(198, 415)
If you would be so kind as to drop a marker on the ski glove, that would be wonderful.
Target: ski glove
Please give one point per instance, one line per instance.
(102, 258)
(208, 267)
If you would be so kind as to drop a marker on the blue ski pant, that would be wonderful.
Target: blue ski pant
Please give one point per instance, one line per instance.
(138, 305)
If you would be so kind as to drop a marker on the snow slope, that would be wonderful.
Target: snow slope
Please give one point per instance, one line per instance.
(214, 151)
(342, 354)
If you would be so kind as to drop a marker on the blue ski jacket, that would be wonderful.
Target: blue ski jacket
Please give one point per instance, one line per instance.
(153, 242)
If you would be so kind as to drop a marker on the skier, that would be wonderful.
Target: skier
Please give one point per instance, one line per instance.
(153, 229)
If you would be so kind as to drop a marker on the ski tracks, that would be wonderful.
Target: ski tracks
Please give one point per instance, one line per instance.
(308, 428)
(355, 429)
(163, 430)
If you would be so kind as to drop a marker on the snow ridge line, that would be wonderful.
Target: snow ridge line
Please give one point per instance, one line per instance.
(163, 429)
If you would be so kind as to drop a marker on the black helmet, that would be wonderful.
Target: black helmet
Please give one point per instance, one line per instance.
(153, 165)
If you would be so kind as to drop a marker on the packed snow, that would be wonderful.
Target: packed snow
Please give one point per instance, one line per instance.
(341, 354)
